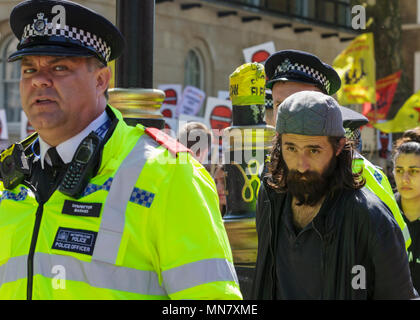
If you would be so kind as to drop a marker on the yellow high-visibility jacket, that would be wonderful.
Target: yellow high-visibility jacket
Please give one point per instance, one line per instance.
(147, 226)
(378, 183)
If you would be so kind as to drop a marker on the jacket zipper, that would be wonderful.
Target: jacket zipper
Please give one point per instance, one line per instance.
(35, 232)
(30, 263)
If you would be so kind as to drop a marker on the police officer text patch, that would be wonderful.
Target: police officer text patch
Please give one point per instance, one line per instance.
(81, 209)
(74, 240)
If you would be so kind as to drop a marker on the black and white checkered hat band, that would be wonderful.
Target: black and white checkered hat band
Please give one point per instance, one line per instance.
(86, 38)
(310, 72)
(353, 134)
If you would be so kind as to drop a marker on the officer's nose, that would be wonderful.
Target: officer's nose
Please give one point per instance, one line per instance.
(42, 80)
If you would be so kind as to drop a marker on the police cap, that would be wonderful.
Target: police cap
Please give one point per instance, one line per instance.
(63, 28)
(352, 119)
(300, 66)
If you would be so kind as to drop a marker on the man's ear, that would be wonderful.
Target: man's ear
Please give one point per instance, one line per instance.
(341, 145)
(103, 77)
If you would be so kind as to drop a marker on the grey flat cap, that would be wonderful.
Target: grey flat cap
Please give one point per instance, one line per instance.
(310, 113)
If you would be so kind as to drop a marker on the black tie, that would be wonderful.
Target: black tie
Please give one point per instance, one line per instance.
(50, 177)
(56, 161)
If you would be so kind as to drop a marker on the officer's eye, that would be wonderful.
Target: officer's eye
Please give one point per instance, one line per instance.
(28, 70)
(60, 68)
(314, 151)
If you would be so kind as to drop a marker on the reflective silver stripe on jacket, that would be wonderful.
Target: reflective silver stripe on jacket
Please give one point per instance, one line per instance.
(14, 269)
(100, 274)
(121, 278)
(113, 216)
(92, 273)
(406, 233)
(196, 273)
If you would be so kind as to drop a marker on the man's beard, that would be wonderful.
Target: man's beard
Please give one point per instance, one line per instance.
(309, 187)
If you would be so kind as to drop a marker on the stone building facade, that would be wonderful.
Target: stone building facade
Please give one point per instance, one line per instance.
(410, 17)
(200, 42)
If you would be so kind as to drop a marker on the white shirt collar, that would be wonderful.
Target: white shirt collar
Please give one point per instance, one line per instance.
(67, 148)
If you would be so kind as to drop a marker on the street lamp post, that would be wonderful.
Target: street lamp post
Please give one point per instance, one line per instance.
(134, 95)
(135, 20)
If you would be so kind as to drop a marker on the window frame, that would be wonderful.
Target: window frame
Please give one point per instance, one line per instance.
(200, 69)
(5, 49)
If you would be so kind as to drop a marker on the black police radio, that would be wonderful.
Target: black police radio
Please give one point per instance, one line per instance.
(83, 166)
(86, 160)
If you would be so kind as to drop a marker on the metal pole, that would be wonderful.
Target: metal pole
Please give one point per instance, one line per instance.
(136, 21)
(134, 95)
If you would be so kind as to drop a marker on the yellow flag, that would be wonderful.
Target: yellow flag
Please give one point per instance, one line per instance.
(407, 117)
(356, 68)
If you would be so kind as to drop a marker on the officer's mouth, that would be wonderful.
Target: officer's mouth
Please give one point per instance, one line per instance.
(41, 101)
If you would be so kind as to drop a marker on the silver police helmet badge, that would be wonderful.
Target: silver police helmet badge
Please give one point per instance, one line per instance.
(284, 67)
(40, 24)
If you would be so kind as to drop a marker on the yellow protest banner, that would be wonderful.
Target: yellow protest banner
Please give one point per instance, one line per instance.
(356, 68)
(407, 117)
(247, 84)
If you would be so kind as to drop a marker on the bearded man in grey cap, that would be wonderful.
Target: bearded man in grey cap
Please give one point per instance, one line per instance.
(291, 71)
(321, 234)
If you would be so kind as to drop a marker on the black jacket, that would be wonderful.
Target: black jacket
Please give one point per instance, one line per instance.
(357, 228)
(414, 248)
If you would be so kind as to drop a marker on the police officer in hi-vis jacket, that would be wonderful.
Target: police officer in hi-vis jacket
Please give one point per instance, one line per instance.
(125, 217)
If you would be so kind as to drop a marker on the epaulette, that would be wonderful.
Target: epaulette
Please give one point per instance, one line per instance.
(166, 141)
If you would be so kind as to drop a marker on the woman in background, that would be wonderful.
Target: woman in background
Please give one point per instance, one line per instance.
(406, 160)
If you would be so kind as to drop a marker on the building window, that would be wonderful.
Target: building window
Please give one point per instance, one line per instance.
(416, 71)
(418, 11)
(344, 13)
(193, 73)
(9, 81)
(332, 12)
(302, 8)
(253, 2)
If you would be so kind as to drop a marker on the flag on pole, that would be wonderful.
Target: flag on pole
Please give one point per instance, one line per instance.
(407, 117)
(356, 68)
(385, 91)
